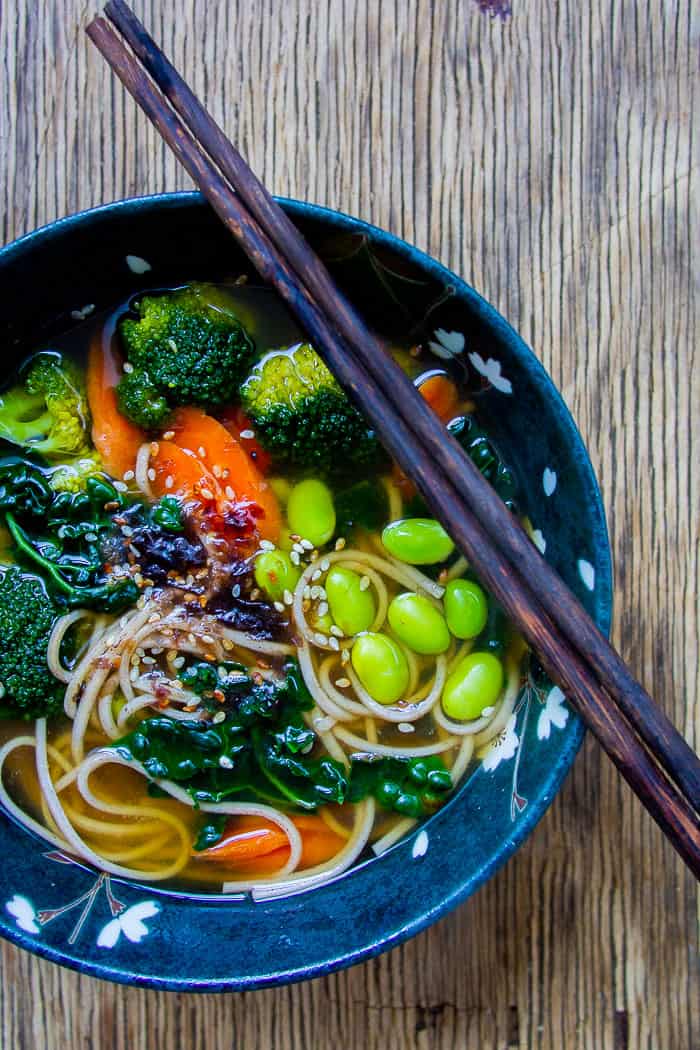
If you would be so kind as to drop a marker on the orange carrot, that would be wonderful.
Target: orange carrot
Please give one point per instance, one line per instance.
(210, 441)
(250, 839)
(258, 846)
(180, 473)
(236, 422)
(441, 394)
(114, 436)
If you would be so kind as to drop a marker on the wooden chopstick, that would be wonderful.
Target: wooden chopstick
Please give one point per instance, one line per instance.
(649, 721)
(666, 803)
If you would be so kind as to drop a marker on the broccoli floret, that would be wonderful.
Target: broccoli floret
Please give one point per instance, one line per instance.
(185, 348)
(138, 398)
(303, 418)
(73, 477)
(49, 412)
(27, 616)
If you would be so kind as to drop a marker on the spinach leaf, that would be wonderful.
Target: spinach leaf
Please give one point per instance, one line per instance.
(210, 832)
(413, 787)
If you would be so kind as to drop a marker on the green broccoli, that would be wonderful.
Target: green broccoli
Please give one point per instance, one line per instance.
(27, 616)
(73, 477)
(303, 418)
(184, 348)
(48, 413)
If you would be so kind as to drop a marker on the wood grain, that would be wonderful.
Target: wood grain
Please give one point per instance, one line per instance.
(551, 160)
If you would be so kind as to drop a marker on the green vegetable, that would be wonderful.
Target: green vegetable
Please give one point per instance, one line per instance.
(484, 454)
(262, 749)
(59, 534)
(310, 511)
(48, 413)
(418, 624)
(140, 400)
(413, 787)
(303, 418)
(168, 514)
(417, 541)
(466, 608)
(74, 476)
(211, 831)
(363, 505)
(186, 348)
(275, 573)
(27, 616)
(381, 667)
(475, 684)
(352, 608)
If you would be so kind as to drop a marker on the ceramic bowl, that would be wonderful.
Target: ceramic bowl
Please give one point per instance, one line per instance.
(143, 935)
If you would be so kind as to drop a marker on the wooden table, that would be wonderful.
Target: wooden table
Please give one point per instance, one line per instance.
(549, 159)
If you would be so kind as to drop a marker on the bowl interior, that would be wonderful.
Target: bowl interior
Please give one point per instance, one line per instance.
(140, 934)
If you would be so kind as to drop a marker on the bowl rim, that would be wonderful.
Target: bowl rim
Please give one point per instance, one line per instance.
(462, 887)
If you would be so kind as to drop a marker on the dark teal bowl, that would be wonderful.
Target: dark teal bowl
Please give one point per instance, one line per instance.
(142, 935)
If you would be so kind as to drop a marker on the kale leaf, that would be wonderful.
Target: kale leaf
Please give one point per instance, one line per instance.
(413, 787)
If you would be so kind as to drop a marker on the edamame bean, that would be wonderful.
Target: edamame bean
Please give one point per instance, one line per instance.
(310, 511)
(475, 684)
(417, 541)
(466, 608)
(275, 574)
(418, 624)
(353, 608)
(381, 667)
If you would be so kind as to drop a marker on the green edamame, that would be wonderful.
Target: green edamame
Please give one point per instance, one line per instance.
(466, 608)
(275, 574)
(418, 624)
(352, 608)
(417, 541)
(475, 684)
(310, 511)
(381, 667)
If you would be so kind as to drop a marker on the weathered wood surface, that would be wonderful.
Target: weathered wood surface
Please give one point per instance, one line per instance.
(551, 160)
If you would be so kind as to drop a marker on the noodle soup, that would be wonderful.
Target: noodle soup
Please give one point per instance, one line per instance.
(238, 653)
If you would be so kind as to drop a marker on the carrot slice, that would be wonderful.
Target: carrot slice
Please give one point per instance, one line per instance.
(114, 436)
(442, 396)
(251, 839)
(210, 441)
(181, 473)
(236, 422)
(259, 846)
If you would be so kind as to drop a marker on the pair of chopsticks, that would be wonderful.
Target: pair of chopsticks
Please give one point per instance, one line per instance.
(656, 761)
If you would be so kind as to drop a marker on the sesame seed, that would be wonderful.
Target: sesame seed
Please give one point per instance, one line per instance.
(225, 762)
(294, 557)
(191, 638)
(306, 545)
(255, 594)
(335, 630)
(148, 660)
(216, 470)
(294, 536)
(151, 474)
(320, 639)
(171, 655)
(266, 545)
(406, 727)
(120, 486)
(279, 606)
(229, 492)
(91, 537)
(315, 592)
(178, 662)
(487, 712)
(322, 608)
(298, 547)
(168, 435)
(128, 475)
(207, 639)
(364, 583)
(236, 590)
(313, 556)
(228, 645)
(220, 716)
(247, 435)
(202, 452)
(325, 565)
(155, 448)
(334, 643)
(135, 659)
(207, 493)
(128, 367)
(288, 597)
(340, 543)
(316, 575)
(169, 481)
(138, 578)
(127, 530)
(345, 656)
(343, 683)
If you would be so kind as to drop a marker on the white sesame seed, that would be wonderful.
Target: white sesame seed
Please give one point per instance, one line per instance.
(148, 660)
(207, 493)
(306, 545)
(168, 435)
(228, 645)
(151, 474)
(128, 367)
(316, 575)
(154, 618)
(320, 639)
(216, 470)
(236, 590)
(315, 592)
(343, 683)
(487, 712)
(340, 543)
(127, 530)
(178, 662)
(128, 475)
(334, 643)
(247, 435)
(345, 656)
(325, 565)
(225, 762)
(219, 717)
(298, 547)
(364, 583)
(288, 597)
(279, 606)
(120, 486)
(266, 545)
(406, 727)
(322, 608)
(229, 492)
(169, 481)
(207, 639)
(202, 452)
(91, 537)
(294, 557)
(335, 630)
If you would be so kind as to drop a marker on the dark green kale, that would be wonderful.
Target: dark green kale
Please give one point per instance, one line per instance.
(363, 505)
(210, 832)
(484, 455)
(27, 616)
(413, 787)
